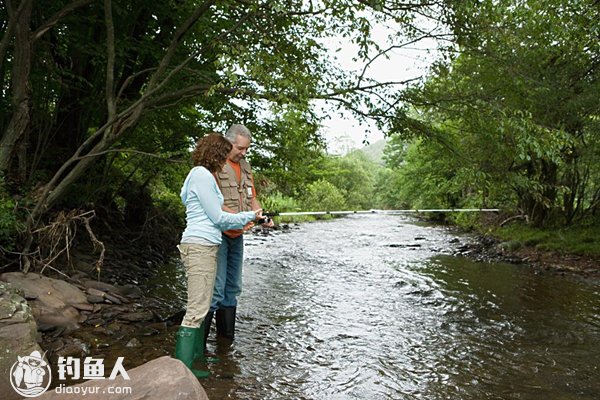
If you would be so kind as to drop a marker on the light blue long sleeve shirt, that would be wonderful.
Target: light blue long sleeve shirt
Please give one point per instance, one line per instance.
(203, 200)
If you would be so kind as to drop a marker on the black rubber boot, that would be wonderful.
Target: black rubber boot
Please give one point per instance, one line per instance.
(207, 323)
(201, 336)
(226, 322)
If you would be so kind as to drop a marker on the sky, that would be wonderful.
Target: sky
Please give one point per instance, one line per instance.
(344, 133)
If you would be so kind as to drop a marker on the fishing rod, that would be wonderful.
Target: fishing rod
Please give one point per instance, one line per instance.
(385, 212)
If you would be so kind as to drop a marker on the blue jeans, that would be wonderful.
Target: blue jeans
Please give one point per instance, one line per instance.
(228, 282)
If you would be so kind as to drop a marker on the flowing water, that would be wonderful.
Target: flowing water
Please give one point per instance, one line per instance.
(376, 307)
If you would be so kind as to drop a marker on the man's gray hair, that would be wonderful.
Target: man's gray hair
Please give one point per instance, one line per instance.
(235, 130)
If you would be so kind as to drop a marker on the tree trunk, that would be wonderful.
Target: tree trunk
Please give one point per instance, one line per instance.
(21, 96)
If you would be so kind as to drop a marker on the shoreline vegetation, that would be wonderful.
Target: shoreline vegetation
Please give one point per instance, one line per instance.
(563, 249)
(99, 144)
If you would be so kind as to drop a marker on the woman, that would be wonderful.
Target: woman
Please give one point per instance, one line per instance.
(200, 241)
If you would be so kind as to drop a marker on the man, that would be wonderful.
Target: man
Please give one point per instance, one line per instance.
(237, 185)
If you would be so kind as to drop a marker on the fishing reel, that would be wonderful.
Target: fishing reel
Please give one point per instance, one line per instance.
(264, 220)
(267, 217)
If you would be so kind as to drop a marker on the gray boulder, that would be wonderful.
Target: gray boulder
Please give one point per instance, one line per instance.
(52, 301)
(160, 379)
(18, 333)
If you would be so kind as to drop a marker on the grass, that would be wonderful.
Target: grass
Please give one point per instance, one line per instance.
(581, 240)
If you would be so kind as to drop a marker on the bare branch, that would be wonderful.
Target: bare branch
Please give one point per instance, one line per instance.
(100, 153)
(57, 17)
(193, 56)
(130, 78)
(176, 40)
(394, 47)
(366, 88)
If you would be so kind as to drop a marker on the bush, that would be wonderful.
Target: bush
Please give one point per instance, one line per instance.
(277, 202)
(8, 218)
(323, 196)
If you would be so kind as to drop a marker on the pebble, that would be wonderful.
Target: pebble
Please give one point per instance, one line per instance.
(134, 343)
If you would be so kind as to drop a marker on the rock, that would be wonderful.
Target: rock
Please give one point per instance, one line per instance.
(134, 343)
(84, 306)
(105, 287)
(137, 316)
(112, 299)
(123, 299)
(18, 333)
(159, 326)
(83, 266)
(54, 299)
(148, 331)
(130, 291)
(95, 299)
(65, 319)
(79, 275)
(163, 378)
(111, 313)
(95, 321)
(76, 349)
(95, 292)
(50, 290)
(56, 345)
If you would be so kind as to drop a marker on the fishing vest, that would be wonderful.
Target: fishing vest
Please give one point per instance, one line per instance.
(237, 197)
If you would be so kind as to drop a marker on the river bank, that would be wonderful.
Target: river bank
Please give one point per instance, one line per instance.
(494, 249)
(573, 250)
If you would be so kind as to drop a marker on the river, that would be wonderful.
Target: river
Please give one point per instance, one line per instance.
(377, 307)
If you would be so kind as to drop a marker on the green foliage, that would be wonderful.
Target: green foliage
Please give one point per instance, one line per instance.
(287, 151)
(387, 189)
(277, 202)
(323, 196)
(353, 175)
(8, 218)
(112, 94)
(510, 118)
(582, 239)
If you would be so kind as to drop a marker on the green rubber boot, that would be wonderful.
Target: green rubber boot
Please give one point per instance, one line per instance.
(200, 347)
(185, 349)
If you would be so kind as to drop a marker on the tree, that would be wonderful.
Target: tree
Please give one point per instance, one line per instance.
(88, 80)
(517, 102)
(353, 175)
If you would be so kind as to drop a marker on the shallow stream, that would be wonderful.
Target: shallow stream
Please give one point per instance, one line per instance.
(377, 307)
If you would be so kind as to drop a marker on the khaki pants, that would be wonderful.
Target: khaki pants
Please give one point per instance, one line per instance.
(201, 266)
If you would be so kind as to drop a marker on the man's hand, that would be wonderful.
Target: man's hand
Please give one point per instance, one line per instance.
(269, 223)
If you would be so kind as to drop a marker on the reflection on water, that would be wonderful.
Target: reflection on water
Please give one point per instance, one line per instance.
(374, 307)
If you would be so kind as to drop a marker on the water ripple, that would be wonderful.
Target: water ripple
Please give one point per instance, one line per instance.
(373, 307)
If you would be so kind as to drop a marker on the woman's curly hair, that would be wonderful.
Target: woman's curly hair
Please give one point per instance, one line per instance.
(211, 152)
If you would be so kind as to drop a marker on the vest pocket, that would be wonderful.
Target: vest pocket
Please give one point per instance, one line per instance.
(232, 204)
(229, 190)
(248, 189)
